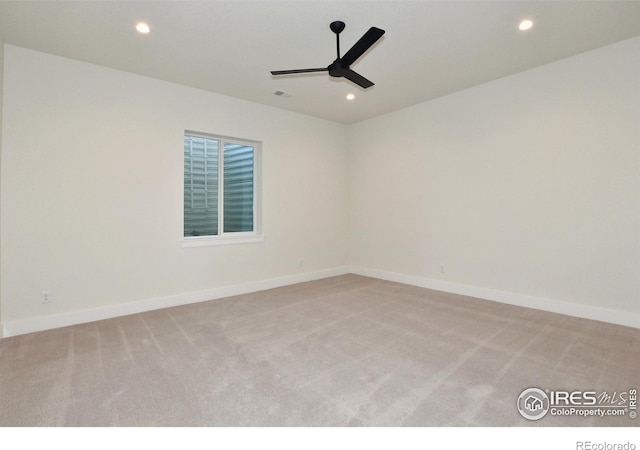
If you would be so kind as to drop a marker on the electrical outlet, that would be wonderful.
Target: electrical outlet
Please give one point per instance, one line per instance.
(300, 262)
(442, 268)
(45, 296)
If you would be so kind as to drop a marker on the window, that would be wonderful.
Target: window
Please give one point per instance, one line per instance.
(221, 195)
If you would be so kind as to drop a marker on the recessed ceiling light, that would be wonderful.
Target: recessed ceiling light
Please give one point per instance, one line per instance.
(350, 96)
(525, 25)
(142, 28)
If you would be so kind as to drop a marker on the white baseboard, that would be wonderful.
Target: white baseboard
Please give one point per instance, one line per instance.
(618, 317)
(18, 327)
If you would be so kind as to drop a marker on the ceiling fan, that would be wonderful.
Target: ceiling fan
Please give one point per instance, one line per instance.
(341, 66)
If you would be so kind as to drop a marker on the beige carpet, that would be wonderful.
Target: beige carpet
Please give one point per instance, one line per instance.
(344, 351)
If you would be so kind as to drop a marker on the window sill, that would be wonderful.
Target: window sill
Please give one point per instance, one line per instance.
(206, 241)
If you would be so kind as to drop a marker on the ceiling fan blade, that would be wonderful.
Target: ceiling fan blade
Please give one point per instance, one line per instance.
(365, 42)
(357, 79)
(286, 72)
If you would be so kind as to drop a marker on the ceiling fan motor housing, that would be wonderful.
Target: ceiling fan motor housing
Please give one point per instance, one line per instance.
(338, 69)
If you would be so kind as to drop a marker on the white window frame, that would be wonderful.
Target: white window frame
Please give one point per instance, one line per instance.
(223, 238)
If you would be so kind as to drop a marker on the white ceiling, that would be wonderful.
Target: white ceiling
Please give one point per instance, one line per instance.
(430, 49)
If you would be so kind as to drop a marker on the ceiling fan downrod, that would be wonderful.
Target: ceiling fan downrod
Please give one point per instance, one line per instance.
(337, 28)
